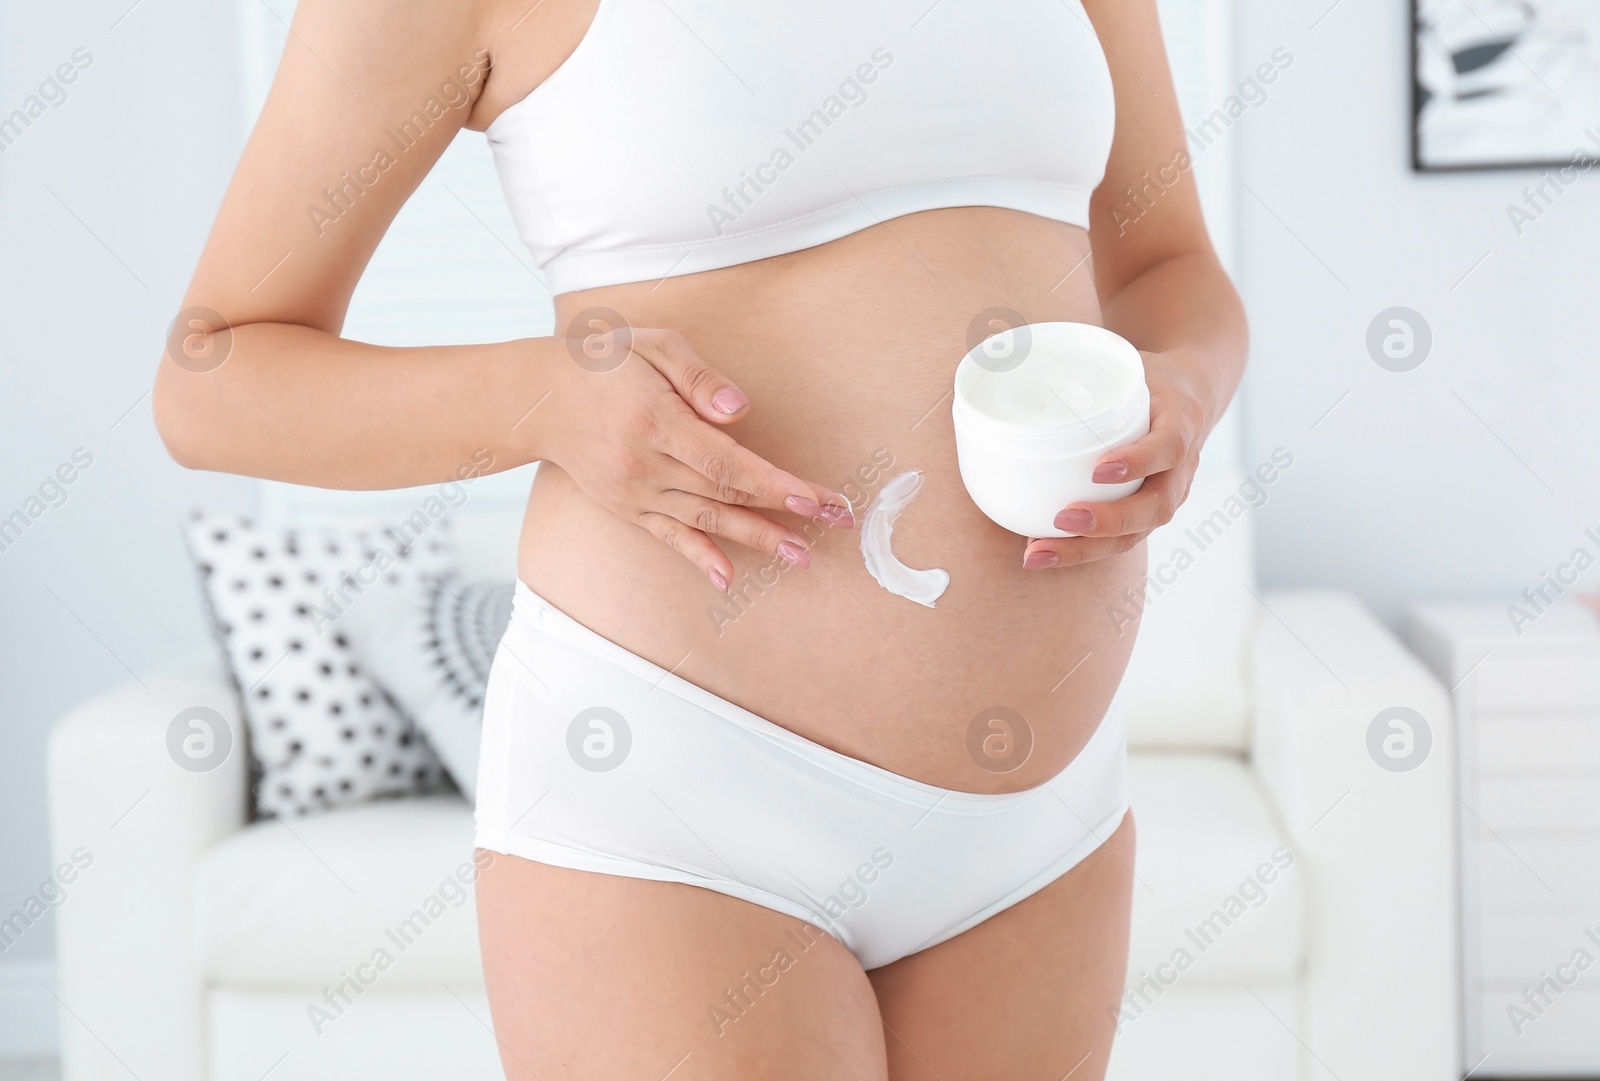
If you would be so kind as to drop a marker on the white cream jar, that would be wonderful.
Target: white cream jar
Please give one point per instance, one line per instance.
(1036, 406)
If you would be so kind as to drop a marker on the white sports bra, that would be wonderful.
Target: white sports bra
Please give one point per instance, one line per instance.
(687, 135)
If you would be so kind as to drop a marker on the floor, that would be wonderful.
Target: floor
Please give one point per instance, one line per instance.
(34, 1069)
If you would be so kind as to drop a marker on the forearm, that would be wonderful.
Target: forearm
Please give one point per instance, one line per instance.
(1187, 308)
(295, 404)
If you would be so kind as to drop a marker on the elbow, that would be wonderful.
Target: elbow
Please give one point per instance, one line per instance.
(174, 414)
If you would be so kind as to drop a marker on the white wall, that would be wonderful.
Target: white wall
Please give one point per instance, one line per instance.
(1401, 492)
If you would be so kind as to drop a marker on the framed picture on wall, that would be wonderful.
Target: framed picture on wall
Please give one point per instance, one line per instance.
(1503, 84)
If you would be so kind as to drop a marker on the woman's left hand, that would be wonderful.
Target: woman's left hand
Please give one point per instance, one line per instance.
(1166, 459)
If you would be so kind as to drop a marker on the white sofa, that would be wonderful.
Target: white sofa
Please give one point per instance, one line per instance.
(198, 945)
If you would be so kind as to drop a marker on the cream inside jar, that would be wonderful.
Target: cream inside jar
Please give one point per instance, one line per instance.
(1057, 391)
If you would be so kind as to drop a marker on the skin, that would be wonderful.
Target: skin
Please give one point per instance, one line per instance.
(653, 495)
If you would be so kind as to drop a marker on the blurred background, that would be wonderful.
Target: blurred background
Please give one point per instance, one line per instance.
(1423, 325)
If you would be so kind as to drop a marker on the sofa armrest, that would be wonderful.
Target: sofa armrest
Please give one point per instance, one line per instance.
(130, 986)
(1378, 841)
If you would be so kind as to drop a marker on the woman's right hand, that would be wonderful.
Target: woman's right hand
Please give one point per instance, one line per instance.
(644, 439)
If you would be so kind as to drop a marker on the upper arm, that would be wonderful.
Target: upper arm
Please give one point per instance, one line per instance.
(1147, 209)
(367, 96)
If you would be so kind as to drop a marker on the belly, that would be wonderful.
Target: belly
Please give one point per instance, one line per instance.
(847, 352)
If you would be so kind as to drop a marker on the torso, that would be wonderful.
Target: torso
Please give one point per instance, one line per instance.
(847, 351)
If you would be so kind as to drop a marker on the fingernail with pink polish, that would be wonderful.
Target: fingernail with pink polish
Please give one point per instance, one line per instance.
(807, 508)
(1039, 559)
(729, 400)
(834, 514)
(793, 554)
(1110, 472)
(1075, 521)
(717, 579)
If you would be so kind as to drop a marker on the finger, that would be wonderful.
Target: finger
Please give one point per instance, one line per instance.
(692, 545)
(1048, 552)
(739, 524)
(1175, 426)
(709, 393)
(1152, 505)
(685, 478)
(741, 477)
(1157, 452)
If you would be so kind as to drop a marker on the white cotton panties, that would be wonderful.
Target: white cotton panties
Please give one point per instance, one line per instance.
(596, 759)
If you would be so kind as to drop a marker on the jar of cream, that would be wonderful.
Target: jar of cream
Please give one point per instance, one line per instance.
(1036, 406)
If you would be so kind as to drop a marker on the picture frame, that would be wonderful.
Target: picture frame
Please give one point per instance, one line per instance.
(1504, 84)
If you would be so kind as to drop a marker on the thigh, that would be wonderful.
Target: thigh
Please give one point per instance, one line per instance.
(1029, 994)
(594, 976)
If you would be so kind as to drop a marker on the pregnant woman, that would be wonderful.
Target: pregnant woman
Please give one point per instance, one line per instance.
(744, 812)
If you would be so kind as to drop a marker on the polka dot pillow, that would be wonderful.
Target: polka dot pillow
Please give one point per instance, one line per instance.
(321, 733)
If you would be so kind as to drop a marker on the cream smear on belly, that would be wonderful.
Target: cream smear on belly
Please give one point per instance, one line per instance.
(877, 533)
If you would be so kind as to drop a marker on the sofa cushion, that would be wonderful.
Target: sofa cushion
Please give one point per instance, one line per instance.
(431, 647)
(383, 890)
(312, 902)
(1221, 895)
